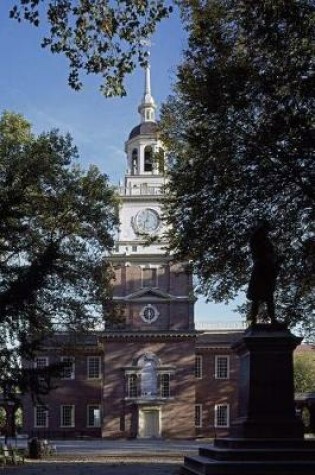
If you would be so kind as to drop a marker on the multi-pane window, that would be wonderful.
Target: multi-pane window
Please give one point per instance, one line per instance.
(221, 415)
(198, 366)
(68, 370)
(41, 362)
(132, 385)
(40, 416)
(165, 388)
(94, 416)
(198, 415)
(222, 367)
(94, 367)
(67, 416)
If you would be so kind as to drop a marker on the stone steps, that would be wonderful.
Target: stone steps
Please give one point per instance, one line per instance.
(253, 457)
(272, 454)
(200, 465)
(237, 443)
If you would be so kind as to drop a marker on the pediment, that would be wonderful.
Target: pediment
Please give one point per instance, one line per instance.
(149, 293)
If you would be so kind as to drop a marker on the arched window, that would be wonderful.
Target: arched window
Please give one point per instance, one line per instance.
(148, 159)
(148, 365)
(148, 379)
(134, 162)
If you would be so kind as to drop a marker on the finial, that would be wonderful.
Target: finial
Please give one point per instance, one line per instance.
(147, 106)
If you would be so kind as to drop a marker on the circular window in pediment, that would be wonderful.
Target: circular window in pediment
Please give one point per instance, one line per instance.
(149, 314)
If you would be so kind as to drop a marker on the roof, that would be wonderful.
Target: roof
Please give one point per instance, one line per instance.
(211, 338)
(72, 339)
(145, 128)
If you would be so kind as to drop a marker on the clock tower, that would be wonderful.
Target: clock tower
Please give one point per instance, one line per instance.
(155, 292)
(149, 357)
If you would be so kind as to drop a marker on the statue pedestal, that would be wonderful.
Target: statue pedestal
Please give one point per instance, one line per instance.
(266, 391)
(267, 436)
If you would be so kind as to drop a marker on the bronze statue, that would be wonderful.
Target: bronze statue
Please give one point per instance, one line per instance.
(264, 273)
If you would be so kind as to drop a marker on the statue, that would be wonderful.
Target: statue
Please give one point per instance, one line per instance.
(264, 273)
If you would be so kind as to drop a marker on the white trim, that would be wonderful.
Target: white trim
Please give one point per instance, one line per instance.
(161, 385)
(217, 374)
(88, 418)
(141, 420)
(200, 358)
(88, 367)
(46, 417)
(72, 422)
(151, 308)
(217, 408)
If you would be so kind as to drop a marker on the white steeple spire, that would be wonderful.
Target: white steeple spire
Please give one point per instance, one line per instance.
(147, 106)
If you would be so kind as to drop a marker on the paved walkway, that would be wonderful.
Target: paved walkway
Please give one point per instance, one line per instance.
(128, 447)
(90, 468)
(109, 457)
(121, 447)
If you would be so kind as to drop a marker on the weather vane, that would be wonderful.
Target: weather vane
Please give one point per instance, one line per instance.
(147, 43)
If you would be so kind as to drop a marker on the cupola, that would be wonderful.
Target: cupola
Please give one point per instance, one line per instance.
(143, 142)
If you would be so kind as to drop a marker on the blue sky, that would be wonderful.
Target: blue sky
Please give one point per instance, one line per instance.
(33, 82)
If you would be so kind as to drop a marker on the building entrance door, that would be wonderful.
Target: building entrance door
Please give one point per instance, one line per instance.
(150, 426)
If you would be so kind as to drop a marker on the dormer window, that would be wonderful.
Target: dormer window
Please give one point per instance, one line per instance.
(148, 159)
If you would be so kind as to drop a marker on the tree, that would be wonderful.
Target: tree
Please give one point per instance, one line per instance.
(106, 37)
(304, 372)
(56, 225)
(239, 125)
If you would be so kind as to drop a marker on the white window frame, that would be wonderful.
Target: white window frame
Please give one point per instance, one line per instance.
(90, 358)
(72, 367)
(46, 415)
(98, 424)
(218, 369)
(217, 415)
(72, 416)
(198, 366)
(198, 407)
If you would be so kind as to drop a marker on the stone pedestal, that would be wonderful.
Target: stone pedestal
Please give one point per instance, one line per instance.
(267, 436)
(266, 391)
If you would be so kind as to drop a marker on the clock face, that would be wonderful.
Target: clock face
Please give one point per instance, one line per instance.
(147, 221)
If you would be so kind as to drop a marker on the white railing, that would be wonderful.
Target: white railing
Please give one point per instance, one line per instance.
(140, 190)
(220, 325)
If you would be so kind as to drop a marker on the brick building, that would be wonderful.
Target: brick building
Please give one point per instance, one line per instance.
(154, 376)
(138, 384)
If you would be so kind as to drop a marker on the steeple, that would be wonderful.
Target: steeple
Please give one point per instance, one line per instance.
(147, 106)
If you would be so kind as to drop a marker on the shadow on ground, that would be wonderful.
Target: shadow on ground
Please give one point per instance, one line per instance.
(92, 468)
